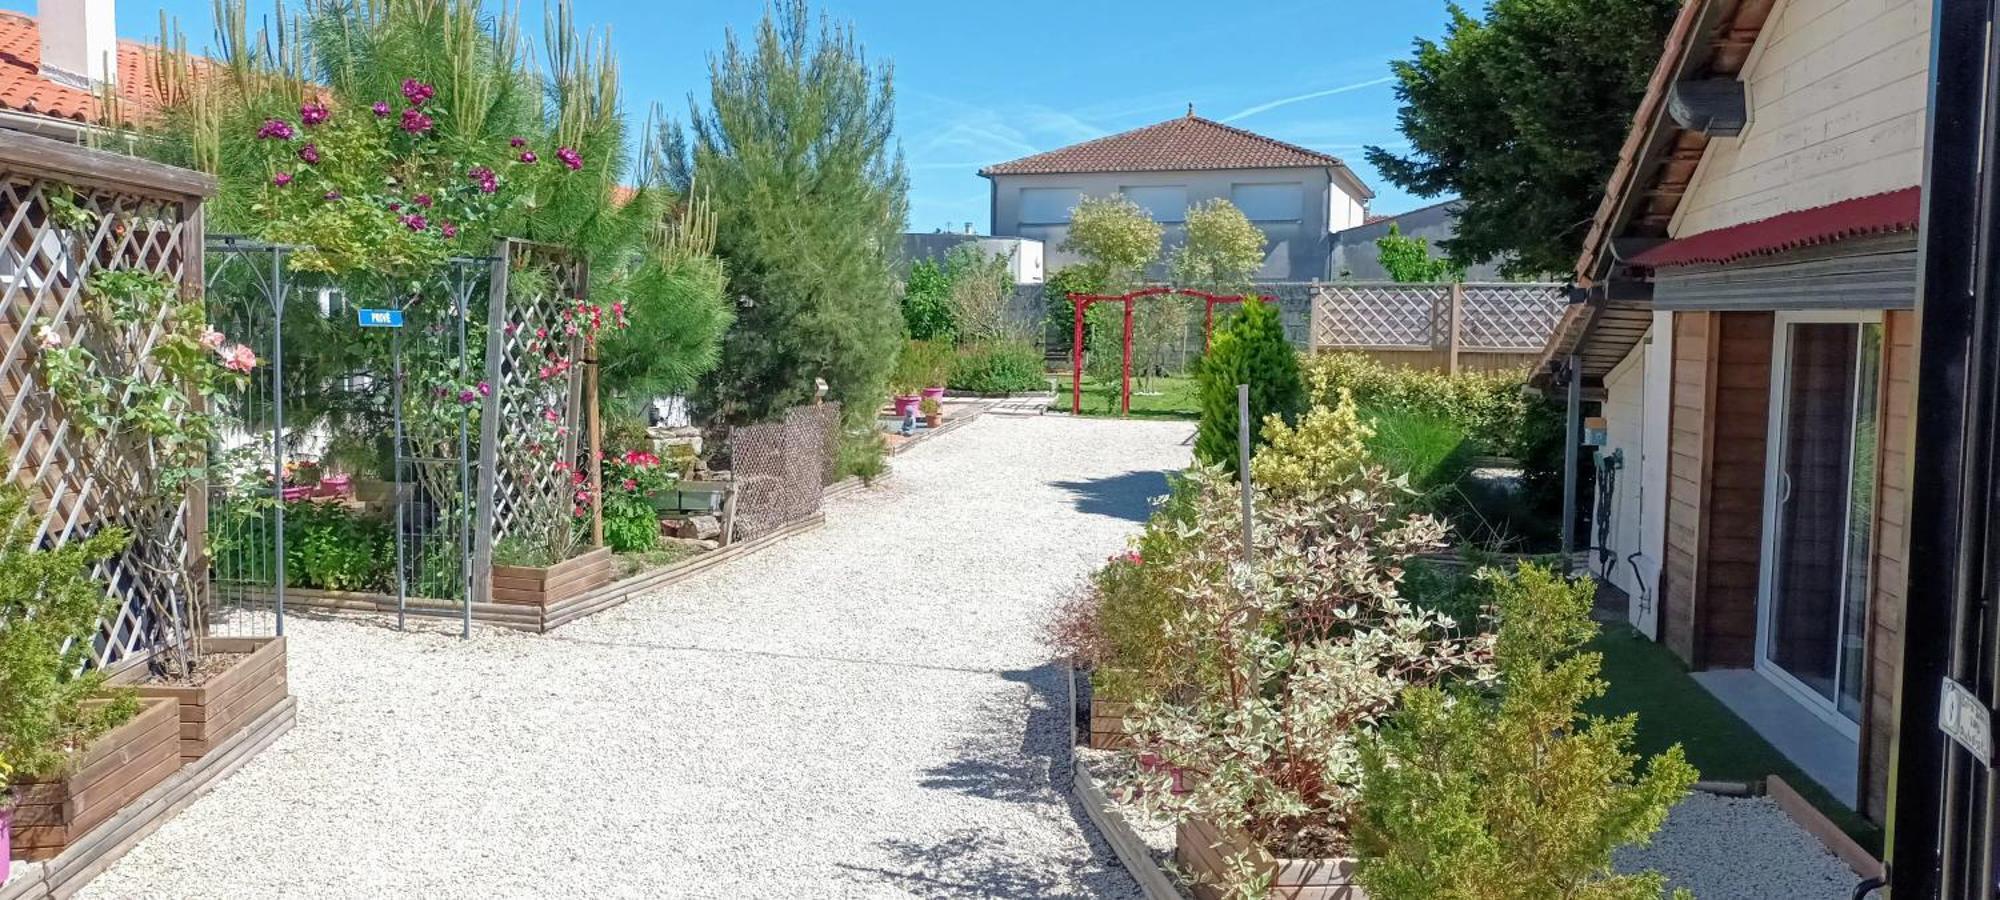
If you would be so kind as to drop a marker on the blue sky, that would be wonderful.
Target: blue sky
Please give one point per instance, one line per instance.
(980, 83)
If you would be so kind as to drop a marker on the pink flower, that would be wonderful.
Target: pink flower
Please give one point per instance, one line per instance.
(416, 222)
(314, 113)
(309, 154)
(238, 358)
(466, 397)
(281, 179)
(381, 109)
(485, 390)
(417, 92)
(517, 141)
(423, 200)
(570, 158)
(50, 340)
(275, 130)
(450, 230)
(484, 177)
(416, 122)
(631, 484)
(528, 156)
(213, 340)
(551, 415)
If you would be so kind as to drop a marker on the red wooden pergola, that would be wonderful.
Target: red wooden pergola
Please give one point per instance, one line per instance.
(1081, 303)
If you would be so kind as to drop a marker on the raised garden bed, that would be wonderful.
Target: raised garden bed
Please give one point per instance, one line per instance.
(1203, 852)
(226, 702)
(118, 767)
(67, 873)
(1107, 724)
(545, 586)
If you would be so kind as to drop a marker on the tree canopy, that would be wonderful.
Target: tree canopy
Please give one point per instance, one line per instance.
(1410, 261)
(1521, 114)
(1223, 250)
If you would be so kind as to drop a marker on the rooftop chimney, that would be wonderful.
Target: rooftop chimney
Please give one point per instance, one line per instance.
(79, 42)
(968, 228)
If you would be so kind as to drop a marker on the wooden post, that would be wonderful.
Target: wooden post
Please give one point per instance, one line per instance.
(1313, 303)
(1077, 307)
(485, 506)
(1454, 325)
(1125, 385)
(595, 459)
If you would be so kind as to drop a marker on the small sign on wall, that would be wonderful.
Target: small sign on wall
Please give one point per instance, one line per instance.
(1964, 718)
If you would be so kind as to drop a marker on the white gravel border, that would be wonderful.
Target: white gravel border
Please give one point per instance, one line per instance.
(863, 711)
(1741, 848)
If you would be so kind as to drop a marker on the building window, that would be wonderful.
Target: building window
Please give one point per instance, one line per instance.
(1167, 203)
(1048, 206)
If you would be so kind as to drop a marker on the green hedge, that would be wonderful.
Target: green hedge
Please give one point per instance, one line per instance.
(998, 367)
(1498, 413)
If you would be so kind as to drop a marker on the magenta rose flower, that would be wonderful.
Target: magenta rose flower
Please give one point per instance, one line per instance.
(570, 158)
(529, 157)
(314, 113)
(381, 109)
(309, 154)
(416, 222)
(276, 130)
(281, 179)
(415, 122)
(417, 92)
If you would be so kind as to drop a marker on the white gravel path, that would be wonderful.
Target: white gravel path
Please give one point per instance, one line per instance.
(862, 711)
(1725, 848)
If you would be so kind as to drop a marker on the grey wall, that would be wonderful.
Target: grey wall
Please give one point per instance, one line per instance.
(1355, 258)
(1295, 208)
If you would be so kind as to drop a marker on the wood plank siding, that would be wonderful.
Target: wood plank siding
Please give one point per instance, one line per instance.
(1715, 485)
(1890, 582)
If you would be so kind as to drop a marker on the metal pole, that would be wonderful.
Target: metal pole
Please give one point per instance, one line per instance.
(464, 500)
(1572, 419)
(396, 469)
(278, 428)
(1243, 466)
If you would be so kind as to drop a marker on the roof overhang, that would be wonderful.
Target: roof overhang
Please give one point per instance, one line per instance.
(1889, 213)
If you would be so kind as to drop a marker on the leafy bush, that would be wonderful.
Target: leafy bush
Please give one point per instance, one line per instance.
(50, 608)
(1496, 410)
(863, 453)
(332, 547)
(997, 367)
(927, 310)
(1253, 350)
(632, 480)
(1300, 651)
(1514, 794)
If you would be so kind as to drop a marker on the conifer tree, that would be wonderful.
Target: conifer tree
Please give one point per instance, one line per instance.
(1253, 351)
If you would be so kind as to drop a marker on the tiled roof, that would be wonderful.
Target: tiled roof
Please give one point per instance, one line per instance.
(24, 89)
(1895, 211)
(1180, 144)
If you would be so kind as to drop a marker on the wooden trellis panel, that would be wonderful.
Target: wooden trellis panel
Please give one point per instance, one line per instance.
(66, 212)
(1501, 325)
(511, 490)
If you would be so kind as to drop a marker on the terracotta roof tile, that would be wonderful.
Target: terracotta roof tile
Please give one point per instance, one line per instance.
(1179, 144)
(23, 89)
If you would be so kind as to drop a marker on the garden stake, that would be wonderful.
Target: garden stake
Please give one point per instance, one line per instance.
(1243, 461)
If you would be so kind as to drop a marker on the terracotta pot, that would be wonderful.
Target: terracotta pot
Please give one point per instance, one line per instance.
(933, 421)
(1204, 852)
(906, 402)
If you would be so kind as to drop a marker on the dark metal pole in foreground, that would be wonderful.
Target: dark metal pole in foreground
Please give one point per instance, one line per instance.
(278, 430)
(1572, 436)
(1243, 464)
(1941, 799)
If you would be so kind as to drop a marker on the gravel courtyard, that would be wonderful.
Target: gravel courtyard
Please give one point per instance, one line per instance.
(862, 711)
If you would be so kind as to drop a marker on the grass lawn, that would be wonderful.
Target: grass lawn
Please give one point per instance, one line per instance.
(1647, 679)
(1159, 398)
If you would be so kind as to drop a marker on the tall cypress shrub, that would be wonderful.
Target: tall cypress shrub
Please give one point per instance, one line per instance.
(797, 154)
(1253, 351)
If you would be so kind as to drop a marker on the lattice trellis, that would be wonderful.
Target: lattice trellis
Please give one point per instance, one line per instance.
(1491, 317)
(780, 467)
(66, 212)
(1510, 317)
(1369, 315)
(521, 490)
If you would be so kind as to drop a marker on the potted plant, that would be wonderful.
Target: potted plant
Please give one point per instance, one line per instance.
(931, 360)
(907, 380)
(933, 412)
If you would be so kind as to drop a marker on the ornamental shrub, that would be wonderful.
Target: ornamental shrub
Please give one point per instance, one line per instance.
(927, 310)
(1496, 410)
(1513, 793)
(998, 367)
(1300, 651)
(1253, 351)
(50, 607)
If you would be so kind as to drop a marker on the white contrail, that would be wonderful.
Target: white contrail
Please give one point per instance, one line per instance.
(1287, 101)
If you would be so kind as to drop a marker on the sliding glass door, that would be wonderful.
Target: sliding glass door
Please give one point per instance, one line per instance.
(1819, 510)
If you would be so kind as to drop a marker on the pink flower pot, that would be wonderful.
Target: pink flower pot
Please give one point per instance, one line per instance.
(903, 405)
(934, 393)
(6, 836)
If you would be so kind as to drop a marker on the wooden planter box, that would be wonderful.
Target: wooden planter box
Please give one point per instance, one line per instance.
(538, 586)
(116, 769)
(223, 705)
(1203, 852)
(1107, 724)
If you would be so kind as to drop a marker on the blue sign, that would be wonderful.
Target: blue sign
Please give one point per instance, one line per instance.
(381, 318)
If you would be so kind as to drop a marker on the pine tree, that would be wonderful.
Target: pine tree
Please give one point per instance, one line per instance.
(1252, 351)
(797, 154)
